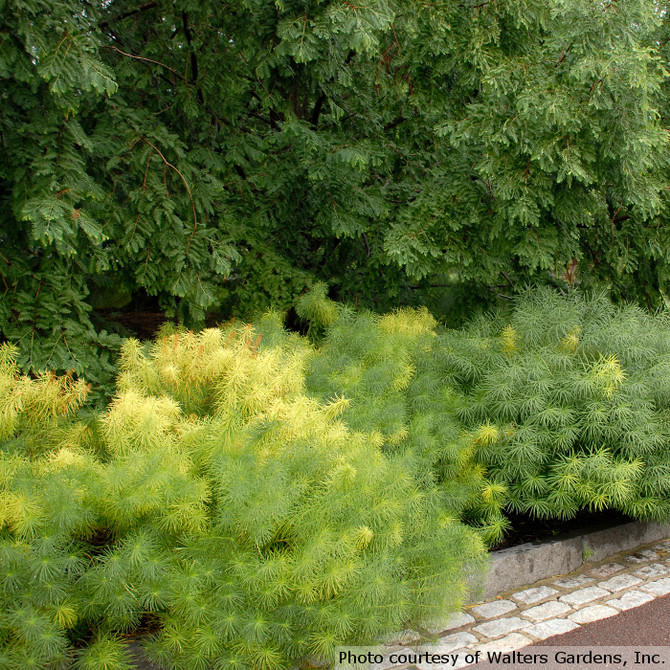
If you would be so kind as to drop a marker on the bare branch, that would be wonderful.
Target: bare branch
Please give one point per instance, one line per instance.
(148, 60)
(190, 195)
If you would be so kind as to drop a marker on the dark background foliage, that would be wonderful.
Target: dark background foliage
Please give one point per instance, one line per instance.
(206, 159)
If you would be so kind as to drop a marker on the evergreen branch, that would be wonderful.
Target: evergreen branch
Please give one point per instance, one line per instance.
(492, 289)
(564, 53)
(396, 122)
(270, 122)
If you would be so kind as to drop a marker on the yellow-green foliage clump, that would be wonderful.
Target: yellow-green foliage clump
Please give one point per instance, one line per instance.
(47, 514)
(244, 515)
(91, 513)
(386, 366)
(35, 408)
(314, 536)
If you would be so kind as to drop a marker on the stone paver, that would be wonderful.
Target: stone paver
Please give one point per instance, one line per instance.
(530, 596)
(573, 582)
(495, 608)
(552, 627)
(661, 587)
(547, 611)
(455, 641)
(502, 626)
(607, 569)
(508, 643)
(653, 570)
(406, 636)
(583, 596)
(619, 582)
(630, 599)
(593, 613)
(641, 556)
(457, 620)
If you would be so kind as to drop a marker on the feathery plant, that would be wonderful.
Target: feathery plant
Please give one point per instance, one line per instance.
(385, 365)
(568, 402)
(216, 502)
(561, 404)
(313, 535)
(48, 524)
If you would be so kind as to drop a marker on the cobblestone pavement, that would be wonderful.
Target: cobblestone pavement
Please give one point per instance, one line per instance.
(553, 606)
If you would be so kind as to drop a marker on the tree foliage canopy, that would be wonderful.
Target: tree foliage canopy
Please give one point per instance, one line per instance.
(223, 155)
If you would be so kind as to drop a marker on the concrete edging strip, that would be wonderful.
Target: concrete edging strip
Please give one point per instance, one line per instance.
(531, 562)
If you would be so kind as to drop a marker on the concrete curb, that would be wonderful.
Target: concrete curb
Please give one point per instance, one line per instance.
(597, 590)
(529, 563)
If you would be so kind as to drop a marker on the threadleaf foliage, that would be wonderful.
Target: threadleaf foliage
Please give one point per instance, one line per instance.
(218, 500)
(567, 402)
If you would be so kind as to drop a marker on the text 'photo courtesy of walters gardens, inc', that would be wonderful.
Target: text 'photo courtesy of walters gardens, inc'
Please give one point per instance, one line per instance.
(427, 657)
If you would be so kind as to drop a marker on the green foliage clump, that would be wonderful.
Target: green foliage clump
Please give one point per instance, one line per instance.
(558, 405)
(317, 310)
(313, 536)
(385, 366)
(215, 501)
(568, 404)
(48, 519)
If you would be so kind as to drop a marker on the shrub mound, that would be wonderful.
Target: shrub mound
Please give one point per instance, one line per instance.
(567, 399)
(562, 402)
(388, 367)
(216, 504)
